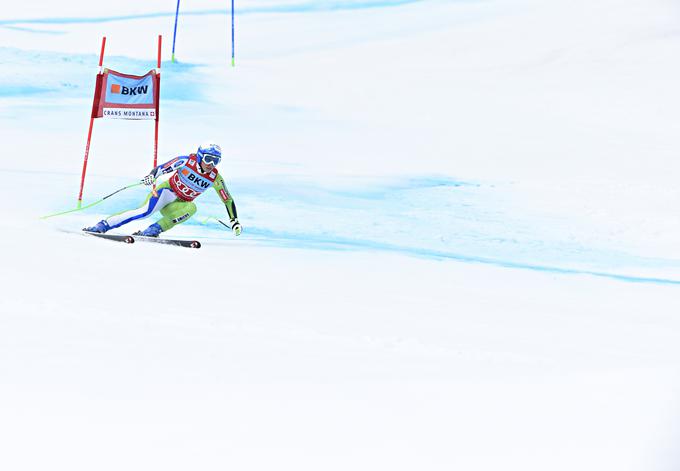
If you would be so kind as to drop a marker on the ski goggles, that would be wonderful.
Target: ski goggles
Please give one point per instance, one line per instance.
(211, 159)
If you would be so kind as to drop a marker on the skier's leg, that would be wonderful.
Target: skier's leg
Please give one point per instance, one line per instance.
(164, 197)
(176, 213)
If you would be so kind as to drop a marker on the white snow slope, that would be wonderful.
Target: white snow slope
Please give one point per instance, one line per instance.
(460, 244)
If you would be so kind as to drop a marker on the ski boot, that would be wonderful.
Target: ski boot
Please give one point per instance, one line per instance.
(100, 228)
(152, 231)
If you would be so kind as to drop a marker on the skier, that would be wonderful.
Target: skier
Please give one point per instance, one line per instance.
(193, 174)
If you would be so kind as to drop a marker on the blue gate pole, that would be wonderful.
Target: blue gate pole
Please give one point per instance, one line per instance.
(174, 35)
(233, 63)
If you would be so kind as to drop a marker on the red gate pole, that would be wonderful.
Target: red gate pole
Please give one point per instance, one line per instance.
(158, 105)
(89, 132)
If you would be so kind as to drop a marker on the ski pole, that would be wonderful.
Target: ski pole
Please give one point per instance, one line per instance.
(92, 204)
(210, 218)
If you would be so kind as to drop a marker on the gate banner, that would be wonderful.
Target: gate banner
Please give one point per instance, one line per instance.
(123, 96)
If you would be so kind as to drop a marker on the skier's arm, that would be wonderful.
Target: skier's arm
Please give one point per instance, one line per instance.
(169, 166)
(229, 204)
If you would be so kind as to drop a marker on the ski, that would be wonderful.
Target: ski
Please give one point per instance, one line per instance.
(114, 237)
(129, 239)
(193, 244)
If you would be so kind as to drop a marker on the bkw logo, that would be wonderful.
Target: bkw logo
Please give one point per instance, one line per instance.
(199, 181)
(123, 90)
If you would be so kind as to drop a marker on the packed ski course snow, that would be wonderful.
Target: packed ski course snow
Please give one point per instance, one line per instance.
(460, 245)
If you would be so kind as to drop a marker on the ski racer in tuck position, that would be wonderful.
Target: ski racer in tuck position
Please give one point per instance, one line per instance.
(193, 174)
